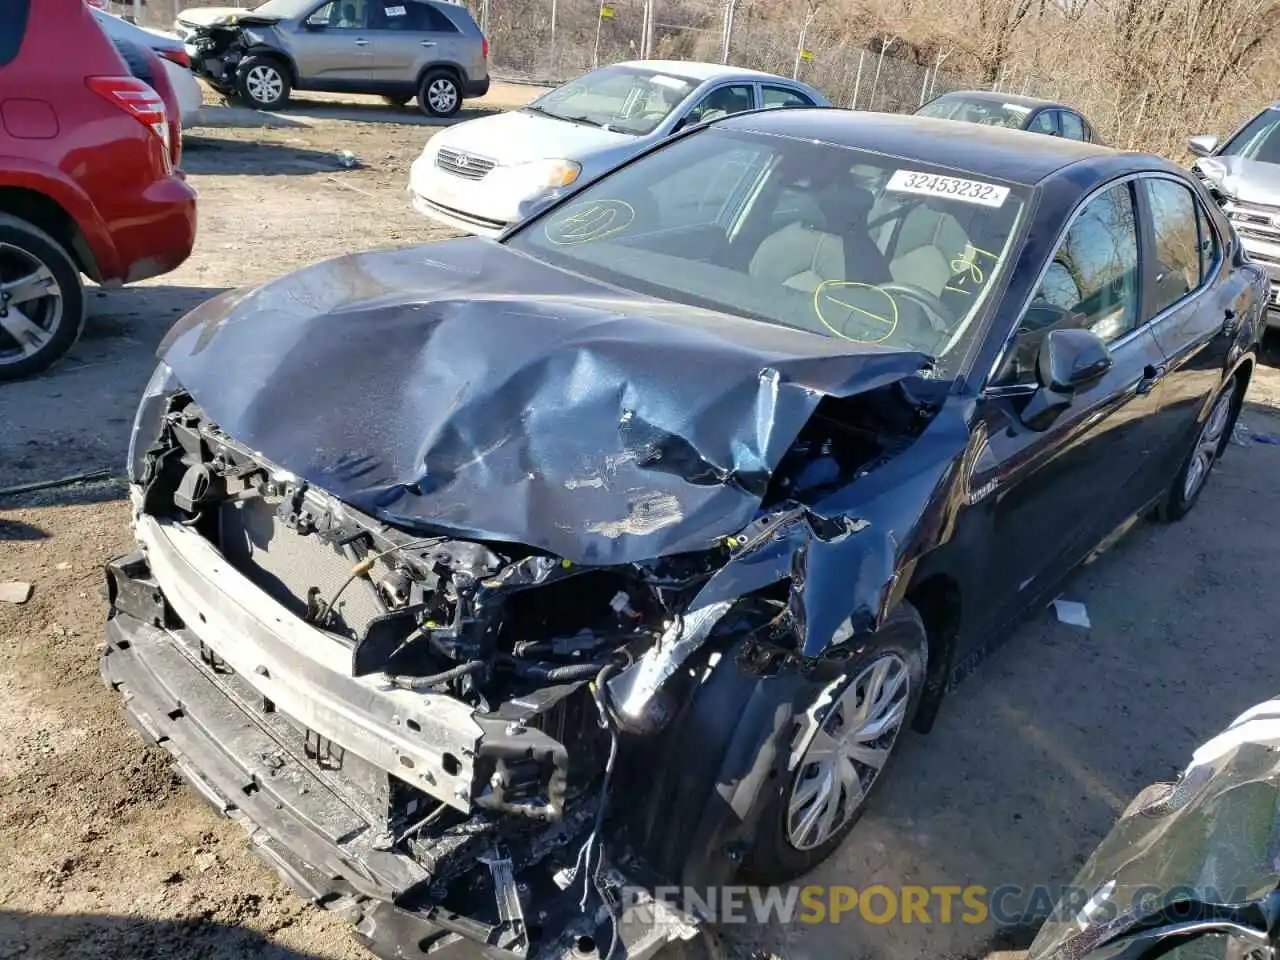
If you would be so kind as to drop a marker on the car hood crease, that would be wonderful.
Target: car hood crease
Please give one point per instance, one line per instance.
(467, 389)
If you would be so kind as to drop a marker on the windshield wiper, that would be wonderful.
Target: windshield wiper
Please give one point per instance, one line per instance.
(560, 116)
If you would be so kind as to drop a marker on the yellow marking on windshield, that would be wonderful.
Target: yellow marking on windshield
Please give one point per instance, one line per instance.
(591, 220)
(823, 291)
(966, 264)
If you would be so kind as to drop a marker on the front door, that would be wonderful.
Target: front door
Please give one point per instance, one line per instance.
(334, 47)
(1053, 494)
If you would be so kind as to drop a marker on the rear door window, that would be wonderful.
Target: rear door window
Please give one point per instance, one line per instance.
(1176, 267)
(1044, 122)
(1072, 125)
(13, 26)
(781, 97)
(419, 17)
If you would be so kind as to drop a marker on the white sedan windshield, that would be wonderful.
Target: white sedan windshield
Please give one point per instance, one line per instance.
(624, 99)
(835, 241)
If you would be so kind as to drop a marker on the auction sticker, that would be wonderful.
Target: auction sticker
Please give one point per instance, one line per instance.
(951, 188)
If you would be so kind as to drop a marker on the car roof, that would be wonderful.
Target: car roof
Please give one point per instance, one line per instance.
(1012, 155)
(124, 30)
(1018, 100)
(697, 70)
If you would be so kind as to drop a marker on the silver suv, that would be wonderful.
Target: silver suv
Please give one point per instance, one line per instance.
(1244, 175)
(398, 48)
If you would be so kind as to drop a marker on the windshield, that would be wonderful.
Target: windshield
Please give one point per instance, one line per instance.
(993, 113)
(624, 99)
(838, 242)
(1259, 140)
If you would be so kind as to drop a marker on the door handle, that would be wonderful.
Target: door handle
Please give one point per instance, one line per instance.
(1151, 375)
(426, 43)
(362, 43)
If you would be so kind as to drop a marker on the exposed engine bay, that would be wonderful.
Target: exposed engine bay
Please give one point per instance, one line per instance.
(220, 47)
(573, 676)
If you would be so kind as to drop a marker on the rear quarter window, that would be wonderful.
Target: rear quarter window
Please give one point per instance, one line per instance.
(13, 27)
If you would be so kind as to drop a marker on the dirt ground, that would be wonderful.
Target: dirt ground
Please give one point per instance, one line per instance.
(104, 854)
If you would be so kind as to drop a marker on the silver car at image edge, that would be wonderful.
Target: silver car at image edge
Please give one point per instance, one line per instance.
(483, 175)
(1243, 174)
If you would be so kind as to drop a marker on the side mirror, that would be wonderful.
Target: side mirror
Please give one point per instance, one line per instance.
(1203, 145)
(314, 24)
(1068, 360)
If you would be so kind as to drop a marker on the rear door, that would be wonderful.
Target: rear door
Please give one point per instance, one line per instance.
(333, 49)
(411, 35)
(1194, 301)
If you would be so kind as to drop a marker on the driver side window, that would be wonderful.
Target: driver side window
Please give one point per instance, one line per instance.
(1091, 282)
(342, 15)
(721, 102)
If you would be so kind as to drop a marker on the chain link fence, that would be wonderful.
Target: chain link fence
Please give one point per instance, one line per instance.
(550, 41)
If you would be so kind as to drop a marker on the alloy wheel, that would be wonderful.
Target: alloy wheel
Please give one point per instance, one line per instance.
(442, 95)
(847, 752)
(1208, 444)
(264, 83)
(31, 308)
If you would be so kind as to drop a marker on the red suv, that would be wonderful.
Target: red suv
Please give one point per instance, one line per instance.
(88, 178)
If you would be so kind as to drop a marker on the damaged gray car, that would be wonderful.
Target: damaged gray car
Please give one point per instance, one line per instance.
(491, 582)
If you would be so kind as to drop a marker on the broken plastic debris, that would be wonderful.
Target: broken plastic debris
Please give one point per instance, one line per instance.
(1072, 613)
(1241, 436)
(1266, 438)
(348, 160)
(15, 591)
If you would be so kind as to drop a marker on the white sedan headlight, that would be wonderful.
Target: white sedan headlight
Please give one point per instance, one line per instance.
(550, 174)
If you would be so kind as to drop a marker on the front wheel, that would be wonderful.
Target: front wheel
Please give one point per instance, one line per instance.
(440, 94)
(41, 300)
(1211, 441)
(263, 82)
(843, 744)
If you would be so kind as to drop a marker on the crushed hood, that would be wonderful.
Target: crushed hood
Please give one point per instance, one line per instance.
(1251, 181)
(463, 388)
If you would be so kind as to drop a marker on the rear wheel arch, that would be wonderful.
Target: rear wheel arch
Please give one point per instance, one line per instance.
(41, 210)
(453, 68)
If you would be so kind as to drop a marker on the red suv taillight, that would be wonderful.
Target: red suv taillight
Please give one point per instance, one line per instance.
(484, 47)
(179, 57)
(136, 99)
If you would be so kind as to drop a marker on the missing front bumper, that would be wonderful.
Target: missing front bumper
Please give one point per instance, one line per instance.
(310, 805)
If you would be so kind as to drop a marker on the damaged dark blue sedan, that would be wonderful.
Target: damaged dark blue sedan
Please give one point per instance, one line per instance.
(490, 583)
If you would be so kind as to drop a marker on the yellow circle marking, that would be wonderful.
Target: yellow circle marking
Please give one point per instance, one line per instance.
(824, 290)
(591, 220)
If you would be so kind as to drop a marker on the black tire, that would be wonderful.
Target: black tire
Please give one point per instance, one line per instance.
(1177, 501)
(22, 246)
(440, 93)
(396, 101)
(773, 859)
(263, 82)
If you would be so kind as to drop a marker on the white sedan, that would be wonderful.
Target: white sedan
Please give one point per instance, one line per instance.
(173, 56)
(482, 175)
